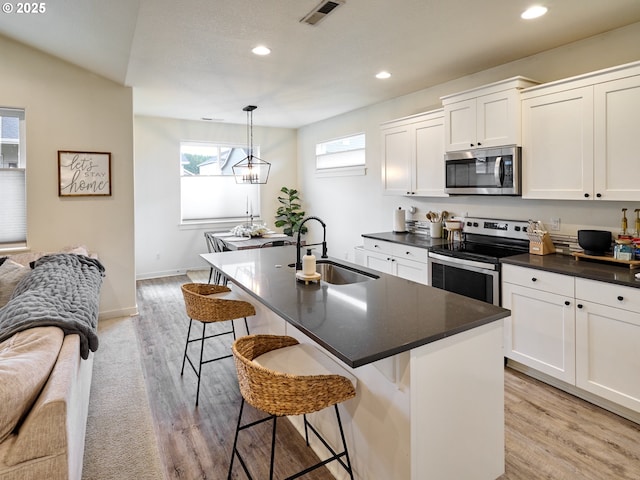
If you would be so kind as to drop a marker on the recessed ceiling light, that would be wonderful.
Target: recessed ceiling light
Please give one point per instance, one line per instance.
(534, 12)
(383, 75)
(261, 50)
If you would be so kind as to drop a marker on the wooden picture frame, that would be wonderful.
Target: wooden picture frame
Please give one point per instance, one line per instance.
(84, 173)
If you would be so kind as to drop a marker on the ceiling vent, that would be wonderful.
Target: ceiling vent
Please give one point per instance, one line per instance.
(322, 10)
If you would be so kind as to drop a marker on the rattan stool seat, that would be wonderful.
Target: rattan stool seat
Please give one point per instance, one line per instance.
(279, 393)
(207, 303)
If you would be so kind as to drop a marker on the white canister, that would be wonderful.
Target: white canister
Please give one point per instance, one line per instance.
(435, 229)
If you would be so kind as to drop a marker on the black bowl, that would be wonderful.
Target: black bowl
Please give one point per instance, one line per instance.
(594, 242)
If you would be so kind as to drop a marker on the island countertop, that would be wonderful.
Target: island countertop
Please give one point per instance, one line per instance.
(361, 322)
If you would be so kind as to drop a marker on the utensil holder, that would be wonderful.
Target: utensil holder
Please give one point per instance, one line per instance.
(540, 244)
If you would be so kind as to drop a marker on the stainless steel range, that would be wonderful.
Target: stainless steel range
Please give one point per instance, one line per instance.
(472, 267)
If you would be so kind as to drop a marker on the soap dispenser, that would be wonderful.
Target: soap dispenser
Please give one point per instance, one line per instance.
(309, 264)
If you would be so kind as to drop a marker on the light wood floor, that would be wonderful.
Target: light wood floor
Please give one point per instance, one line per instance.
(549, 434)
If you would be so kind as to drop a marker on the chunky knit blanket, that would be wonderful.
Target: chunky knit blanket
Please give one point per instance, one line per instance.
(62, 290)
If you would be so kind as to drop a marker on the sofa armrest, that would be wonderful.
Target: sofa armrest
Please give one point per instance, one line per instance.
(46, 429)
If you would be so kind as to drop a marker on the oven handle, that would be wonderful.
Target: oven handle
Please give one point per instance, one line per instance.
(468, 264)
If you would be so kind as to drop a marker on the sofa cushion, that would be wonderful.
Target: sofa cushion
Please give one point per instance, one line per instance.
(26, 360)
(10, 274)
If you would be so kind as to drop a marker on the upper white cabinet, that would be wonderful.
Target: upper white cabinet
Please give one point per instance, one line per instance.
(488, 116)
(413, 155)
(579, 134)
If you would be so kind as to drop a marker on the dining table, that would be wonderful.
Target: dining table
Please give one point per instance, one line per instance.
(234, 242)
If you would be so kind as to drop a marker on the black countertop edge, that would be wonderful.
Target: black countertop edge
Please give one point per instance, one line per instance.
(583, 268)
(407, 238)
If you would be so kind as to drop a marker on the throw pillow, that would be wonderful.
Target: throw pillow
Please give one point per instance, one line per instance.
(10, 274)
(26, 360)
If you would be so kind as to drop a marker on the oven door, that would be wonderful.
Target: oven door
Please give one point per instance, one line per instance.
(472, 279)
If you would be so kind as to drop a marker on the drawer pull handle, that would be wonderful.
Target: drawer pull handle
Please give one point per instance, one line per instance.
(567, 302)
(620, 298)
(534, 279)
(407, 253)
(579, 305)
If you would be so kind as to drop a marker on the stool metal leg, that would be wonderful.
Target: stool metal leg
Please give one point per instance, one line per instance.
(204, 328)
(186, 345)
(273, 447)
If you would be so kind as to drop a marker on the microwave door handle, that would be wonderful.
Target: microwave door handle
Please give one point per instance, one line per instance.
(498, 172)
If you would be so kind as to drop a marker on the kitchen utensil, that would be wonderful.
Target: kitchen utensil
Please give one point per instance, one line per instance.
(594, 242)
(624, 221)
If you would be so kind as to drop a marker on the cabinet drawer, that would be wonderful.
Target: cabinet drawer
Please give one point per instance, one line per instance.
(610, 294)
(378, 246)
(539, 280)
(410, 253)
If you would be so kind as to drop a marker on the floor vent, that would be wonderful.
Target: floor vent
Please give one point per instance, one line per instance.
(320, 11)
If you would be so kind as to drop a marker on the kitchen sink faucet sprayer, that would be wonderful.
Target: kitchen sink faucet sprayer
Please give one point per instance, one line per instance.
(299, 243)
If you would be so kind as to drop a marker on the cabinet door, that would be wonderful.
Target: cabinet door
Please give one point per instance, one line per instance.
(396, 157)
(378, 261)
(460, 125)
(498, 119)
(428, 173)
(411, 270)
(540, 331)
(617, 119)
(557, 145)
(608, 353)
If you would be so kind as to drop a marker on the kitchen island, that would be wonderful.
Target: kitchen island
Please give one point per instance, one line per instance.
(428, 363)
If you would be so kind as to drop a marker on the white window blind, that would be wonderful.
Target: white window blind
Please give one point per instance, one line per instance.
(344, 156)
(208, 190)
(13, 201)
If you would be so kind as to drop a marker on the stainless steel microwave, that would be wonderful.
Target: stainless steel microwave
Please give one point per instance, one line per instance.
(490, 171)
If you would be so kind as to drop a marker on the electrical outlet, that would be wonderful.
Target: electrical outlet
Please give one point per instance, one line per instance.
(555, 224)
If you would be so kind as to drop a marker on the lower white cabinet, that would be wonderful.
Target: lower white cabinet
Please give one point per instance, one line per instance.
(540, 333)
(583, 332)
(608, 341)
(396, 259)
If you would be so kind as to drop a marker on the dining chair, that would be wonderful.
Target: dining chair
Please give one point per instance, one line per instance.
(215, 244)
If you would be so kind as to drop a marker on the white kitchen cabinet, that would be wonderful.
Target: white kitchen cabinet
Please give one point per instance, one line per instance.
(579, 135)
(540, 332)
(608, 341)
(396, 259)
(413, 155)
(488, 116)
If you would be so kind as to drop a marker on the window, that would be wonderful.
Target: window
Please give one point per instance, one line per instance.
(13, 202)
(341, 156)
(208, 189)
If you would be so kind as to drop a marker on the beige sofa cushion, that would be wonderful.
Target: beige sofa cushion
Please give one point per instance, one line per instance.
(10, 274)
(26, 360)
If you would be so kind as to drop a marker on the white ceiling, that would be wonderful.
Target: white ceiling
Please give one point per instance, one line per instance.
(191, 58)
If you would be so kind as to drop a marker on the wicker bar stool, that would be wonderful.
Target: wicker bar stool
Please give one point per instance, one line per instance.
(208, 303)
(279, 393)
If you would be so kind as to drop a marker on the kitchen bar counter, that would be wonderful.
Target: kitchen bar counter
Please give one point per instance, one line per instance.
(358, 323)
(584, 268)
(429, 365)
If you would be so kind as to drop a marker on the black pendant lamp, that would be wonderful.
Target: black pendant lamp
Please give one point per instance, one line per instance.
(251, 169)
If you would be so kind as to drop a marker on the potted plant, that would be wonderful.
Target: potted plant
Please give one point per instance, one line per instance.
(289, 214)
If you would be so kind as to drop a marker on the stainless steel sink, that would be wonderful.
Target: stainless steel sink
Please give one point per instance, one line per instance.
(338, 274)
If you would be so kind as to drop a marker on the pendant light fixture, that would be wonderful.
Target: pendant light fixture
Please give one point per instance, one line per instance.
(251, 169)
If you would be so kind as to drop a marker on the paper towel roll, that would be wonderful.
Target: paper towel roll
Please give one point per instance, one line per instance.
(399, 221)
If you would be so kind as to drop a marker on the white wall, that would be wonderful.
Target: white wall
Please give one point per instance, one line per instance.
(68, 108)
(354, 205)
(163, 246)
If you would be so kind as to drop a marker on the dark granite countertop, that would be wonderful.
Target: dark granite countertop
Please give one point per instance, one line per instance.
(361, 322)
(584, 268)
(412, 239)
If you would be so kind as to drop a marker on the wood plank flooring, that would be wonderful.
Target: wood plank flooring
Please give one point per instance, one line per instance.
(549, 434)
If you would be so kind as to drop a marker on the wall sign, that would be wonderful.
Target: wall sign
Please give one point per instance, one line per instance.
(84, 173)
